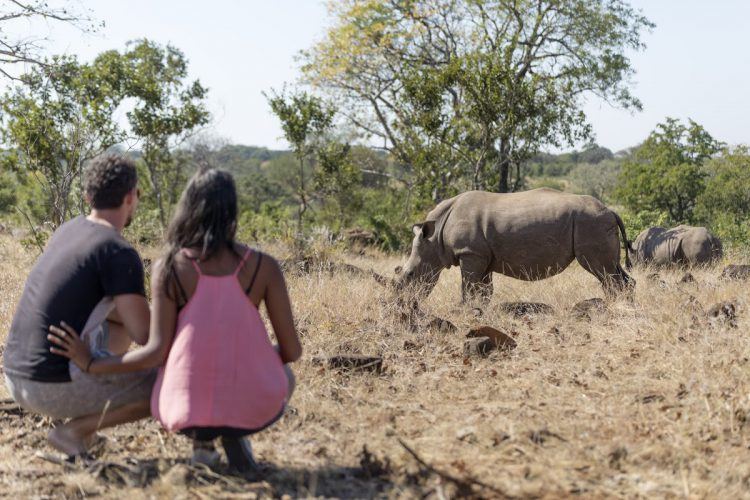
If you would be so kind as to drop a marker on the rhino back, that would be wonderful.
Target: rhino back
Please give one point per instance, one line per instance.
(699, 246)
(681, 244)
(526, 229)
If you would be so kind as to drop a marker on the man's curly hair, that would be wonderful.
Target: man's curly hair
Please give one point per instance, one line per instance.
(108, 179)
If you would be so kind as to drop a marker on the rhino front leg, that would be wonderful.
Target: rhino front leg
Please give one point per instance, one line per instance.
(476, 279)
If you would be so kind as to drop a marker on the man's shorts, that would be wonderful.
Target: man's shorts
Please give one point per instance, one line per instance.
(85, 394)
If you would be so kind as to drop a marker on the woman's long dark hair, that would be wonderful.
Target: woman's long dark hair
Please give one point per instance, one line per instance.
(205, 219)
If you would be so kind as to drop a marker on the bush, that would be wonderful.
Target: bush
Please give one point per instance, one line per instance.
(635, 222)
(598, 180)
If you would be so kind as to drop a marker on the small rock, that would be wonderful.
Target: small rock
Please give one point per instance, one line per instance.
(441, 325)
(467, 435)
(723, 312)
(687, 278)
(521, 309)
(584, 308)
(736, 272)
(480, 346)
(500, 339)
(477, 312)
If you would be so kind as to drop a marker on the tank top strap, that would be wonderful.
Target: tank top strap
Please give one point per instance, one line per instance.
(242, 262)
(193, 261)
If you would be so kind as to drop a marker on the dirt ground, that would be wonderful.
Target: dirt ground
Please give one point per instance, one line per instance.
(648, 398)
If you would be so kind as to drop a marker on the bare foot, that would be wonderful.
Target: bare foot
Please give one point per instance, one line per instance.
(65, 440)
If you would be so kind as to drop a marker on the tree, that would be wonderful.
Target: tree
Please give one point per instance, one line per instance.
(725, 201)
(465, 90)
(167, 110)
(58, 117)
(304, 119)
(666, 172)
(24, 50)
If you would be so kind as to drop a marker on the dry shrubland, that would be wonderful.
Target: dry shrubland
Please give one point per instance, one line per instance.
(648, 398)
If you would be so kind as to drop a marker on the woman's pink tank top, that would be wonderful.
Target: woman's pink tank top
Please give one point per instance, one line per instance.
(222, 369)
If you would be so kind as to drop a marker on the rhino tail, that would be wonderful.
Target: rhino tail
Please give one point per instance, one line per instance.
(628, 245)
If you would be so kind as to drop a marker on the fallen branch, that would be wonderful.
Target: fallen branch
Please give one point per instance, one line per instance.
(464, 484)
(379, 278)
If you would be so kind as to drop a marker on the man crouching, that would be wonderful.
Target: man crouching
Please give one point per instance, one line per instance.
(90, 278)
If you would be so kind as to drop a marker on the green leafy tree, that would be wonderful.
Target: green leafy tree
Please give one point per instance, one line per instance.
(339, 180)
(725, 201)
(465, 90)
(666, 172)
(305, 119)
(57, 118)
(168, 109)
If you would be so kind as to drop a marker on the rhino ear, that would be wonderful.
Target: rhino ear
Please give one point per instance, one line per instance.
(428, 229)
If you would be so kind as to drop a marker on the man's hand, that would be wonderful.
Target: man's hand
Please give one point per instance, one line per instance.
(69, 344)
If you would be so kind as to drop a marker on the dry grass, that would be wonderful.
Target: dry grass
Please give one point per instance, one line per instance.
(645, 400)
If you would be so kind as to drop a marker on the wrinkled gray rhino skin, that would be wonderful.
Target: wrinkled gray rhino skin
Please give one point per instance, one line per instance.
(529, 235)
(680, 246)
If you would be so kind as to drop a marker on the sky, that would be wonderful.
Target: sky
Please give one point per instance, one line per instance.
(696, 65)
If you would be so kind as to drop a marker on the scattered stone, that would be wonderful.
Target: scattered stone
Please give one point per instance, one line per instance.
(484, 339)
(441, 325)
(584, 309)
(480, 346)
(353, 363)
(522, 309)
(736, 272)
(503, 340)
(723, 312)
(477, 312)
(687, 278)
(467, 435)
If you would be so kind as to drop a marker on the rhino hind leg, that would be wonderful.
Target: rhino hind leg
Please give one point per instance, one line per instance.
(613, 277)
(476, 279)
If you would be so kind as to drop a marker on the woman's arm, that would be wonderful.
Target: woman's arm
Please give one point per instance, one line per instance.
(279, 310)
(163, 322)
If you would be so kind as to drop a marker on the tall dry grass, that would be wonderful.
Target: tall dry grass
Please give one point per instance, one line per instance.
(646, 400)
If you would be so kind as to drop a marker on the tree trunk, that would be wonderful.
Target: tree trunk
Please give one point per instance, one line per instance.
(503, 167)
(302, 199)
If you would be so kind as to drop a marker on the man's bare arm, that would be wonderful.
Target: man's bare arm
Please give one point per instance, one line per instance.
(132, 311)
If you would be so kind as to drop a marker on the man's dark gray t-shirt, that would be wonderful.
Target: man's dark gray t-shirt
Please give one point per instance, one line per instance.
(83, 263)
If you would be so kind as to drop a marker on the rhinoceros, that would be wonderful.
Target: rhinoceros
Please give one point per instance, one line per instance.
(528, 235)
(680, 246)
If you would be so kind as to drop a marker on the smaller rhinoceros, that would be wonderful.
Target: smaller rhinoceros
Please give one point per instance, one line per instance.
(680, 246)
